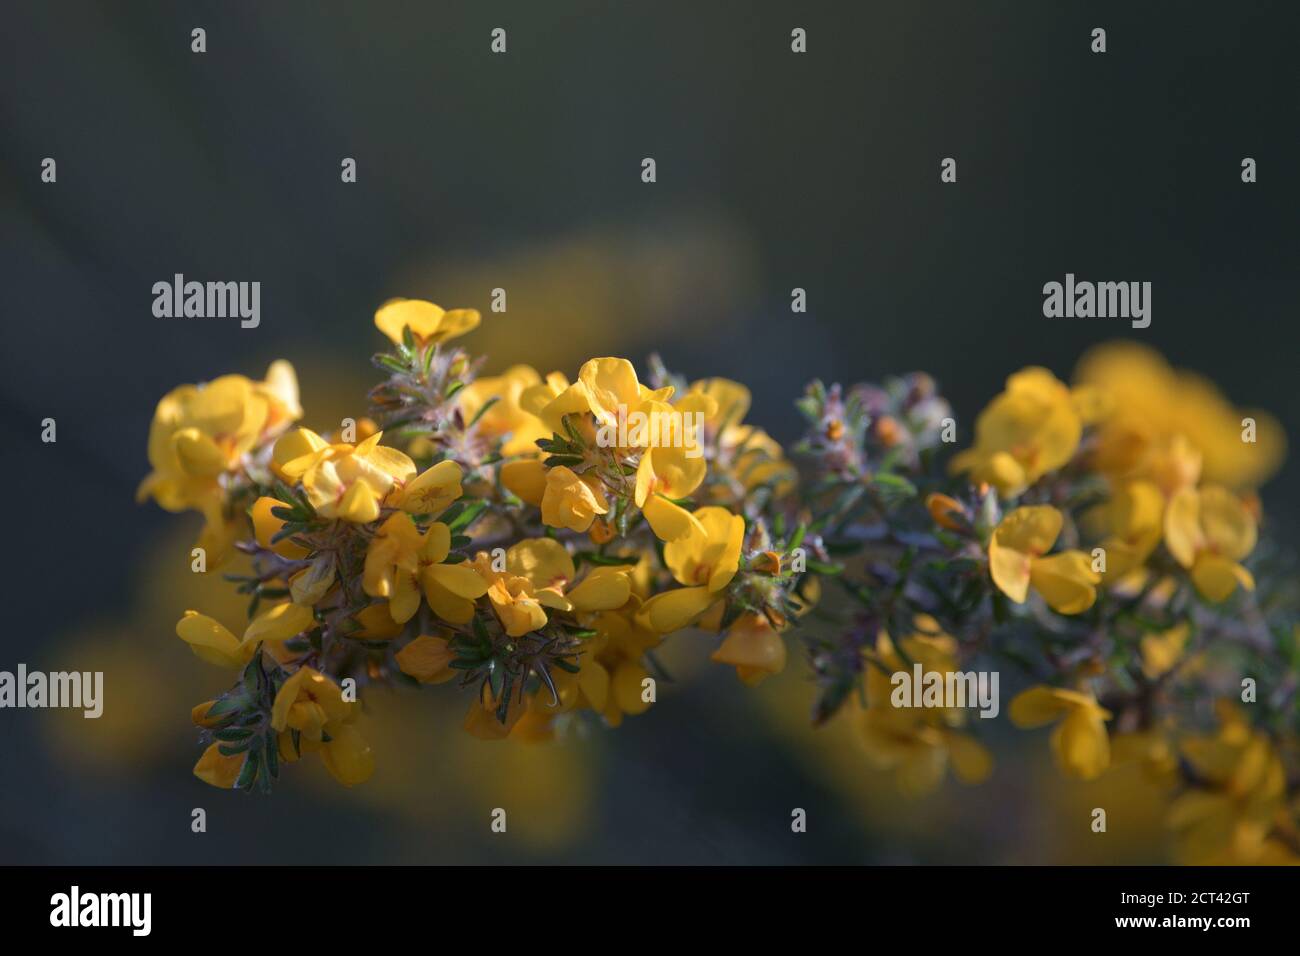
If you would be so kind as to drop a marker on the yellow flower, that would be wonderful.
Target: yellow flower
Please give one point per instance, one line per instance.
(1080, 742)
(551, 400)
(1168, 425)
(919, 753)
(347, 756)
(745, 455)
(427, 322)
(664, 473)
(280, 389)
(308, 702)
(293, 445)
(1209, 532)
(627, 691)
(211, 641)
(704, 560)
(730, 403)
(427, 659)
(1160, 652)
(753, 647)
(1016, 559)
(1132, 522)
(218, 769)
(611, 675)
(377, 623)
(1128, 449)
(506, 418)
(917, 743)
(527, 478)
(538, 575)
(277, 624)
(347, 481)
(516, 605)
(612, 390)
(266, 526)
(312, 704)
(432, 491)
(1231, 814)
(481, 719)
(200, 433)
(607, 388)
(400, 561)
(1030, 429)
(570, 500)
(214, 643)
(1152, 750)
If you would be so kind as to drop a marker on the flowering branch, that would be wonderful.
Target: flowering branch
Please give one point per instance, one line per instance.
(534, 539)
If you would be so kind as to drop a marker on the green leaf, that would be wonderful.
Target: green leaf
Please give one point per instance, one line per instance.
(390, 364)
(223, 707)
(233, 734)
(272, 751)
(483, 410)
(503, 707)
(468, 515)
(566, 461)
(574, 435)
(248, 773)
(894, 484)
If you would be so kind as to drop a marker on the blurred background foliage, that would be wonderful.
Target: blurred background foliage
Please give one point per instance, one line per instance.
(522, 172)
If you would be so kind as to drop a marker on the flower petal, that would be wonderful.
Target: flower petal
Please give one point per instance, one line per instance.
(673, 610)
(211, 641)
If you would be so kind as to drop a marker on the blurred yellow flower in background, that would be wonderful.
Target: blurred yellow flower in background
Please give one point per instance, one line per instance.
(1030, 429)
(753, 647)
(1209, 531)
(917, 743)
(1171, 426)
(1130, 524)
(1079, 742)
(505, 416)
(1231, 814)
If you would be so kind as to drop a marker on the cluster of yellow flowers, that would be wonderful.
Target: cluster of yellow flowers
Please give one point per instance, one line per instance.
(514, 534)
(530, 572)
(1133, 457)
